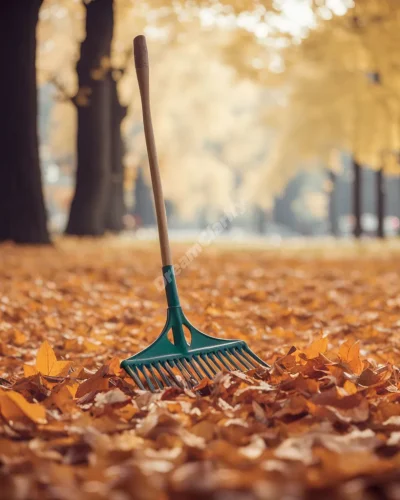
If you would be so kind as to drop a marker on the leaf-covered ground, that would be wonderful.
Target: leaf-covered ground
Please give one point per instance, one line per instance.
(323, 422)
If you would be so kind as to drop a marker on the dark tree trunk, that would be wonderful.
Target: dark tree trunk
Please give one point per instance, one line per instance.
(332, 210)
(380, 202)
(22, 210)
(115, 207)
(93, 176)
(357, 228)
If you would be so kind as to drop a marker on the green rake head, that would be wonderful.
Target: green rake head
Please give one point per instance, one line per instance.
(180, 363)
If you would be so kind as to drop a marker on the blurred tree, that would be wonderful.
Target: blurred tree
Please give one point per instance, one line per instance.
(337, 85)
(196, 100)
(22, 210)
(115, 206)
(93, 101)
(357, 198)
(380, 202)
(332, 203)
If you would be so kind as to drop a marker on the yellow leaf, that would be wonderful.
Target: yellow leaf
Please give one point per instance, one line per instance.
(47, 364)
(13, 406)
(29, 371)
(319, 346)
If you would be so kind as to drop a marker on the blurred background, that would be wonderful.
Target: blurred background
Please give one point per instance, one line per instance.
(289, 107)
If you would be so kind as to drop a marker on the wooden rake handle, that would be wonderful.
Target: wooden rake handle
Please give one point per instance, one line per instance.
(142, 72)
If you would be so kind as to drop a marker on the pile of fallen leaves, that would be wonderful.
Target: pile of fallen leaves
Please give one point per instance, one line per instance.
(322, 422)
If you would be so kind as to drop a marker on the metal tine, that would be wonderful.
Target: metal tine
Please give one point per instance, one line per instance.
(202, 365)
(133, 373)
(247, 358)
(194, 368)
(243, 361)
(231, 360)
(167, 368)
(211, 356)
(239, 359)
(220, 356)
(212, 369)
(158, 382)
(151, 387)
(159, 369)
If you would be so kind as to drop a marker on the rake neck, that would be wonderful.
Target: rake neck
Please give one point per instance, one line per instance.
(171, 290)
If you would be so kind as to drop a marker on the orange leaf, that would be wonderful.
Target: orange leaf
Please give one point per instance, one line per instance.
(63, 398)
(349, 353)
(317, 347)
(114, 366)
(96, 382)
(19, 338)
(350, 387)
(47, 364)
(13, 406)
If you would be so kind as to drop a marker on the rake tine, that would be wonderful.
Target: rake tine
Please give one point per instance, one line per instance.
(238, 359)
(133, 373)
(171, 374)
(160, 385)
(206, 361)
(243, 361)
(166, 380)
(147, 379)
(215, 361)
(231, 360)
(203, 366)
(255, 357)
(188, 367)
(247, 358)
(221, 359)
(186, 374)
(194, 368)
(173, 363)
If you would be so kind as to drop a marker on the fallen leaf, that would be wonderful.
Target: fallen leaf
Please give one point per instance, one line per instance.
(47, 364)
(14, 406)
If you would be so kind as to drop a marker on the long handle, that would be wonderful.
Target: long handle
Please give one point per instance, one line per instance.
(142, 72)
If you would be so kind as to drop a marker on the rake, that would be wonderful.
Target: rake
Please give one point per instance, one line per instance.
(176, 362)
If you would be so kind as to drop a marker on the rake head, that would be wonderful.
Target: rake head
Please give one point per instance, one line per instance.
(180, 363)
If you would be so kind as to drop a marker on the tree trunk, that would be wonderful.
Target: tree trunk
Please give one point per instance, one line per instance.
(332, 212)
(93, 176)
(115, 207)
(380, 203)
(357, 228)
(22, 209)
